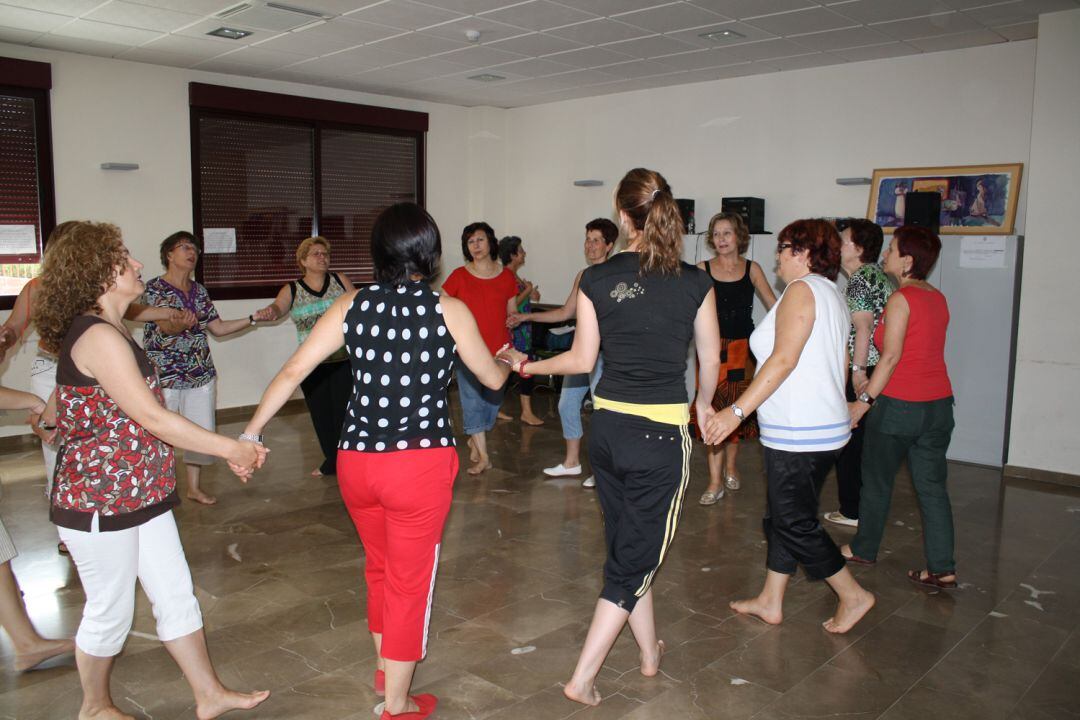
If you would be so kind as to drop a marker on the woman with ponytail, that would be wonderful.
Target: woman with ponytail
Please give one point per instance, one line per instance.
(639, 310)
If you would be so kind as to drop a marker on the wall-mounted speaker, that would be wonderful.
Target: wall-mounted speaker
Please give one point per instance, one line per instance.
(923, 209)
(751, 209)
(686, 209)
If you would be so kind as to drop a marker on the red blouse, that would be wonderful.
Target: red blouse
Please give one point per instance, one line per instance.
(921, 375)
(486, 300)
(108, 464)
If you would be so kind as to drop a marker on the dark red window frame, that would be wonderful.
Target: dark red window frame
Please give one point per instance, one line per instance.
(214, 101)
(33, 81)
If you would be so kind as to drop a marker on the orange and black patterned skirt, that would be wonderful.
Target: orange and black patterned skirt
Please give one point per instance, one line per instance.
(736, 372)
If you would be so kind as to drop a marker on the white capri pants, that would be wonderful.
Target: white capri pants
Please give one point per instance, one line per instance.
(108, 565)
(198, 405)
(42, 384)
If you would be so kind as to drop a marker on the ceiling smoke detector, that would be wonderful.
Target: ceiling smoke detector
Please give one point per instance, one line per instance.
(722, 35)
(472, 35)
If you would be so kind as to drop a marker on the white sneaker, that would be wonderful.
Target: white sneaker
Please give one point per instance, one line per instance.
(589, 482)
(840, 519)
(560, 471)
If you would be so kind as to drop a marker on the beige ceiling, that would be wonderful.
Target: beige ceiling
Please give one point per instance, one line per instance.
(542, 50)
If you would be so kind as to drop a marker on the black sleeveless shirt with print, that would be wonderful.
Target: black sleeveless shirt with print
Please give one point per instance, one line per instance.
(401, 355)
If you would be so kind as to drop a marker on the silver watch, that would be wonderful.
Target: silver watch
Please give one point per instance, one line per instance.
(738, 412)
(857, 368)
(250, 437)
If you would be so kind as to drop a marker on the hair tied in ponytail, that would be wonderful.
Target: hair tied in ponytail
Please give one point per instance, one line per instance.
(655, 193)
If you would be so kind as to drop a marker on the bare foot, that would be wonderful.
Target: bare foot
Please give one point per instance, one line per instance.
(474, 454)
(504, 416)
(479, 466)
(316, 473)
(584, 694)
(531, 420)
(651, 665)
(848, 614)
(757, 607)
(45, 650)
(228, 700)
(202, 498)
(109, 713)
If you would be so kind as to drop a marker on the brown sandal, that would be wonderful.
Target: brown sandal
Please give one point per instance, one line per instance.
(856, 560)
(932, 579)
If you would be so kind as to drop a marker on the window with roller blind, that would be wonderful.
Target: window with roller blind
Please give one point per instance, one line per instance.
(269, 170)
(27, 210)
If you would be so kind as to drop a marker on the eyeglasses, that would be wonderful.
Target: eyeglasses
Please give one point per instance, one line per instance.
(318, 253)
(187, 246)
(783, 246)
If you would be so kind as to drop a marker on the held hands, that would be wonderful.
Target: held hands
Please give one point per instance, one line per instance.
(859, 381)
(184, 318)
(265, 314)
(246, 458)
(514, 319)
(720, 425)
(857, 410)
(38, 418)
(514, 358)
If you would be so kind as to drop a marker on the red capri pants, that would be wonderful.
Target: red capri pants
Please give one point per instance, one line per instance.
(398, 502)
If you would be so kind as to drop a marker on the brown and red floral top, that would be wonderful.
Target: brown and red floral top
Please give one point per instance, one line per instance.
(107, 464)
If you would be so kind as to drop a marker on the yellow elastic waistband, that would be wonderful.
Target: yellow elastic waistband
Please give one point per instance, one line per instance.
(670, 414)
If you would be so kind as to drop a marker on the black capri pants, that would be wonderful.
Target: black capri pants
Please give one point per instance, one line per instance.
(791, 523)
(642, 468)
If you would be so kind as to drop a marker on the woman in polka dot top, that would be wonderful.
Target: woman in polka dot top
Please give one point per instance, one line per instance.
(396, 457)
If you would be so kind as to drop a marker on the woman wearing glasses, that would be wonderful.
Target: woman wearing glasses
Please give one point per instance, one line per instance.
(180, 350)
(327, 388)
(798, 393)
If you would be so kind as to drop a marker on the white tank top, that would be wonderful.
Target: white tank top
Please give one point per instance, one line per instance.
(809, 412)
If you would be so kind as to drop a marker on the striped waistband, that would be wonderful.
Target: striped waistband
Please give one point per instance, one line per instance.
(670, 414)
(807, 436)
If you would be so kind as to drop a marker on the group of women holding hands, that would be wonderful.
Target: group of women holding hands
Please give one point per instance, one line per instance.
(375, 364)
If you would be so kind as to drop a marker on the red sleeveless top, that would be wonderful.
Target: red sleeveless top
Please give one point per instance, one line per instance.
(921, 374)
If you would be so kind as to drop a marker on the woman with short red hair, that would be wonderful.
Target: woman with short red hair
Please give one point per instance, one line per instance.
(798, 394)
(912, 413)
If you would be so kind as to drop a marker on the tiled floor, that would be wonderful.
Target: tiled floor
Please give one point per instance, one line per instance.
(278, 570)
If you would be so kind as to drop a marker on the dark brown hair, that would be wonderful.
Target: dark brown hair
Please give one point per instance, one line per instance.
(645, 197)
(919, 244)
(175, 239)
(737, 224)
(493, 244)
(608, 229)
(821, 242)
(867, 236)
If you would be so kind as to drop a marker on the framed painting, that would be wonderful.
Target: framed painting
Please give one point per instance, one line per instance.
(975, 199)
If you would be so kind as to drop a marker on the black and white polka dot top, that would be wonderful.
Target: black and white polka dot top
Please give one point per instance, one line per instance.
(401, 355)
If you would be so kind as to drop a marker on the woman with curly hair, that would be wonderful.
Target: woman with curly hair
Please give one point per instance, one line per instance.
(639, 310)
(115, 485)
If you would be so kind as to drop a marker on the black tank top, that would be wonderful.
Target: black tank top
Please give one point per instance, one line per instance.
(734, 304)
(401, 357)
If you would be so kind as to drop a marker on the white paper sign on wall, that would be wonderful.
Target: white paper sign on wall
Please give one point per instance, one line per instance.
(219, 240)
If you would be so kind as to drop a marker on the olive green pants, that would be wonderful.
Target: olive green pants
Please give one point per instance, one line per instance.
(919, 431)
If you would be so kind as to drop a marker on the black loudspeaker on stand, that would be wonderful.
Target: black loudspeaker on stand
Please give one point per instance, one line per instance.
(751, 209)
(923, 209)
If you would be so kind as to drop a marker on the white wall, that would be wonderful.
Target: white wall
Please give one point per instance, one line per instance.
(1046, 414)
(784, 137)
(109, 110)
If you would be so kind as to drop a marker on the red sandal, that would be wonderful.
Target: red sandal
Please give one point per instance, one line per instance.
(932, 579)
(425, 703)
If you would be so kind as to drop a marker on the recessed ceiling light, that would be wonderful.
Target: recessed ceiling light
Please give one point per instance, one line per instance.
(722, 35)
(487, 77)
(229, 33)
(296, 9)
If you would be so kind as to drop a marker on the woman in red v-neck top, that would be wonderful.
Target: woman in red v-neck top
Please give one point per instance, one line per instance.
(488, 290)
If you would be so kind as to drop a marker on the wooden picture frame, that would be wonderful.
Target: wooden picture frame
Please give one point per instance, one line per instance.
(975, 199)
